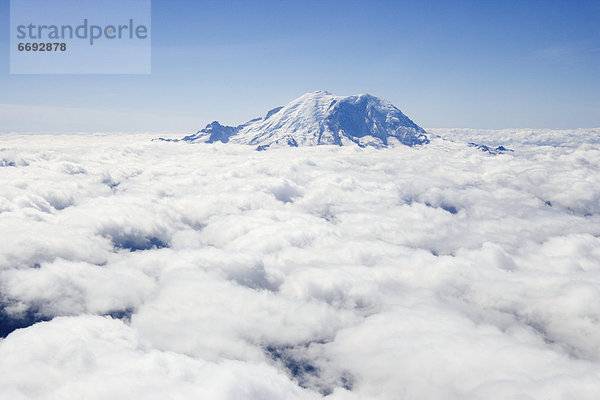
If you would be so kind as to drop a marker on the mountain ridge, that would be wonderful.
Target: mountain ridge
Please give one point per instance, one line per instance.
(321, 118)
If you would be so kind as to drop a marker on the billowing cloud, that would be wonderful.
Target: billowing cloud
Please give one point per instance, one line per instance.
(102, 358)
(134, 268)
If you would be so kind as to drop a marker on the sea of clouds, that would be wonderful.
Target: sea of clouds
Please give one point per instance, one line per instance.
(139, 269)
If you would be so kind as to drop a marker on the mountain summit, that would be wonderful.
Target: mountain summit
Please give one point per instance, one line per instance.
(321, 118)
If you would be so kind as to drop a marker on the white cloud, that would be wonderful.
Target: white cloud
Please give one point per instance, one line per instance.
(101, 358)
(437, 272)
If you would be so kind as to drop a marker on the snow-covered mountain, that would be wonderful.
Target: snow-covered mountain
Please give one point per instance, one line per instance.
(321, 118)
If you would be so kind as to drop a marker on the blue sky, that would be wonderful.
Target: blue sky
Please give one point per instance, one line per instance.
(481, 64)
